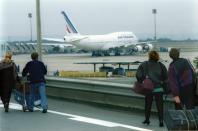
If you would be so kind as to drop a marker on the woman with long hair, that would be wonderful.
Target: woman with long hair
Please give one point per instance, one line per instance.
(8, 77)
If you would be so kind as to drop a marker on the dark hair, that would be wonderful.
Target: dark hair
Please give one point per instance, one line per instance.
(153, 55)
(34, 56)
(174, 53)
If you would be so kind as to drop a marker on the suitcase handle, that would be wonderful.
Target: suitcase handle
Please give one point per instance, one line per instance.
(194, 119)
(186, 118)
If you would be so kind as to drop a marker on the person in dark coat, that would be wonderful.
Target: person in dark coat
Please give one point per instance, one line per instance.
(180, 75)
(36, 71)
(8, 77)
(157, 73)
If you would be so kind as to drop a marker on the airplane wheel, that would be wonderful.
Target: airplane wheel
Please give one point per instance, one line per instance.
(117, 54)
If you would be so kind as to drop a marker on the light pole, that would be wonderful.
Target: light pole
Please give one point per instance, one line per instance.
(154, 11)
(38, 21)
(30, 16)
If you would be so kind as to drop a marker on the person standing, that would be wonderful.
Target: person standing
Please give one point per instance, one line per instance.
(181, 78)
(36, 70)
(157, 73)
(8, 78)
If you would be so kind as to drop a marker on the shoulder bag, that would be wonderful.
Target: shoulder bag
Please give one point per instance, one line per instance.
(146, 86)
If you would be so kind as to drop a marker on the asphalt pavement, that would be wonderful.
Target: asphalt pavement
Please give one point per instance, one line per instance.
(74, 116)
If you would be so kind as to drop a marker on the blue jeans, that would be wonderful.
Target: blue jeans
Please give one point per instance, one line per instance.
(42, 93)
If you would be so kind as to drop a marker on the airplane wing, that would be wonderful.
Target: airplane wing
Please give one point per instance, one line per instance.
(78, 40)
(62, 43)
(54, 39)
(146, 42)
(59, 44)
(55, 44)
(112, 45)
(109, 46)
(141, 45)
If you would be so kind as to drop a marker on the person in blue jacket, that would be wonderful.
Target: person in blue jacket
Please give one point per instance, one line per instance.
(36, 70)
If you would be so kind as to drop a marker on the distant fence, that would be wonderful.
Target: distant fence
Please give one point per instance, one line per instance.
(74, 74)
(81, 74)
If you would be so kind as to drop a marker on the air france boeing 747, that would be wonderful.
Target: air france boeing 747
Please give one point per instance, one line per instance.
(100, 43)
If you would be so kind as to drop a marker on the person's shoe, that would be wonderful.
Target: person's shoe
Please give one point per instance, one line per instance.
(146, 122)
(6, 107)
(161, 124)
(30, 110)
(44, 111)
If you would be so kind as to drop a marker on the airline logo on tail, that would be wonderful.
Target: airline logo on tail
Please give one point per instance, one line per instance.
(69, 27)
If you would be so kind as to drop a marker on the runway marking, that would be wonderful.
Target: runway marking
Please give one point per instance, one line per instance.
(83, 119)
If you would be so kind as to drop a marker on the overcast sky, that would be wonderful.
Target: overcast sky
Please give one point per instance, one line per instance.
(176, 19)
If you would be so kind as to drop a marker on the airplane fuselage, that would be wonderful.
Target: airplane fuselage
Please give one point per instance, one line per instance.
(102, 42)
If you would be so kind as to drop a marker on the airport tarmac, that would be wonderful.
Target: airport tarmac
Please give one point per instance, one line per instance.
(67, 62)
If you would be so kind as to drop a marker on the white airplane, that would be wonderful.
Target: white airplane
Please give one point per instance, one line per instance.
(100, 44)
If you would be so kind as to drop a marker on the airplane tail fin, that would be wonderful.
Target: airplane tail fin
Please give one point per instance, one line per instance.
(69, 27)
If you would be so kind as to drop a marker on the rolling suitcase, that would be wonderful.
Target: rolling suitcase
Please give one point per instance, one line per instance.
(193, 117)
(181, 119)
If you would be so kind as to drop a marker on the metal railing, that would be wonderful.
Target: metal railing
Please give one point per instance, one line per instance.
(107, 93)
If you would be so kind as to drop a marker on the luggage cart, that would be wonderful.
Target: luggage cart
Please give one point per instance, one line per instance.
(21, 95)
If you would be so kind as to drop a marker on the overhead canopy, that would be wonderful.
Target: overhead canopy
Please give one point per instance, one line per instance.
(111, 62)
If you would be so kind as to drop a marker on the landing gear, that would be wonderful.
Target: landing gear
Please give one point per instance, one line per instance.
(97, 53)
(106, 53)
(93, 53)
(117, 52)
(100, 53)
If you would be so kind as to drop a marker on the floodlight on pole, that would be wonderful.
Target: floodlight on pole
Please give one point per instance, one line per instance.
(30, 16)
(154, 11)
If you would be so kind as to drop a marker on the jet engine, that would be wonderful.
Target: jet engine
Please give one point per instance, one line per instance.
(148, 47)
(138, 48)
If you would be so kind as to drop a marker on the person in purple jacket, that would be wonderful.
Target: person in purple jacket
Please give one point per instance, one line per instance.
(180, 75)
(36, 71)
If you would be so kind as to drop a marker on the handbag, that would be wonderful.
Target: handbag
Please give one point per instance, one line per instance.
(145, 87)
